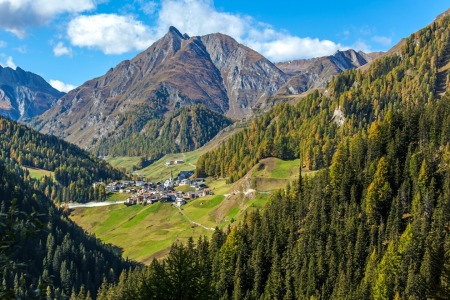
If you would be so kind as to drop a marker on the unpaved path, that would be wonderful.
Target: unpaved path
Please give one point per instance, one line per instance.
(184, 158)
(192, 222)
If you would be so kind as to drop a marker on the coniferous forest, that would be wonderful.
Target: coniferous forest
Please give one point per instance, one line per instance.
(148, 135)
(43, 254)
(75, 170)
(375, 225)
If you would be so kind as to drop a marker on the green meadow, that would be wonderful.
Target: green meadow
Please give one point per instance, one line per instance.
(39, 173)
(147, 232)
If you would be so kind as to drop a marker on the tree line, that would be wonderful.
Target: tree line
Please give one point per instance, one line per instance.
(43, 254)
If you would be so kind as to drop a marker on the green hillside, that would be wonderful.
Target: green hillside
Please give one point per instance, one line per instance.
(42, 252)
(72, 169)
(312, 128)
(145, 232)
(145, 133)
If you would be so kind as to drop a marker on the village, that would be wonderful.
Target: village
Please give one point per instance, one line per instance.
(143, 192)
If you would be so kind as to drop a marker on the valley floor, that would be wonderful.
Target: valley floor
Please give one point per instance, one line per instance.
(147, 232)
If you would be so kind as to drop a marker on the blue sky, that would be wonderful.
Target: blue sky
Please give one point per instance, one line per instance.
(69, 42)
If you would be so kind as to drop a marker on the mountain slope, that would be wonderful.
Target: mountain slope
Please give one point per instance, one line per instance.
(175, 71)
(373, 223)
(74, 169)
(186, 129)
(24, 94)
(248, 77)
(312, 73)
(43, 253)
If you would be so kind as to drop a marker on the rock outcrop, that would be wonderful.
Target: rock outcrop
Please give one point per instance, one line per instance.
(24, 94)
(313, 73)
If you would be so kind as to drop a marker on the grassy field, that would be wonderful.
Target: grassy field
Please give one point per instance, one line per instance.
(146, 232)
(123, 162)
(39, 173)
(158, 171)
(273, 173)
(117, 196)
(143, 232)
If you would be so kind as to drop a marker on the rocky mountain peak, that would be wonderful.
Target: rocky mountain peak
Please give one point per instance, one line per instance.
(174, 31)
(24, 94)
(177, 70)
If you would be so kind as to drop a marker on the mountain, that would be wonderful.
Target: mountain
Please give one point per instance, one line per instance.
(306, 74)
(24, 94)
(355, 99)
(177, 70)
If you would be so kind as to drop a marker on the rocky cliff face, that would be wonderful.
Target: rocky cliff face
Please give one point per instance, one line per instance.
(247, 76)
(306, 74)
(177, 70)
(24, 94)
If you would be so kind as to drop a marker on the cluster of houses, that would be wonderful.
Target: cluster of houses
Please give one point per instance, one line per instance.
(148, 193)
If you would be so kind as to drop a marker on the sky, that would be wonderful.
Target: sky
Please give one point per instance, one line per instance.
(70, 42)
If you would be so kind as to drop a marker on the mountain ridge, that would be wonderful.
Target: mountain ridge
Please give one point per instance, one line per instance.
(24, 94)
(213, 70)
(307, 74)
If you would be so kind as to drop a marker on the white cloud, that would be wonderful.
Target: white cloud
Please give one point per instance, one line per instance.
(61, 86)
(60, 50)
(17, 15)
(9, 61)
(383, 40)
(3, 44)
(199, 17)
(110, 33)
(117, 34)
(21, 49)
(361, 45)
(286, 47)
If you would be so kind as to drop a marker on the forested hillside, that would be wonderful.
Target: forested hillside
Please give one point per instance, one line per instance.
(309, 130)
(75, 169)
(44, 255)
(373, 223)
(187, 129)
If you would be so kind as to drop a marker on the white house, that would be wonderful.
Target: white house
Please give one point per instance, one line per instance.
(179, 202)
(185, 182)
